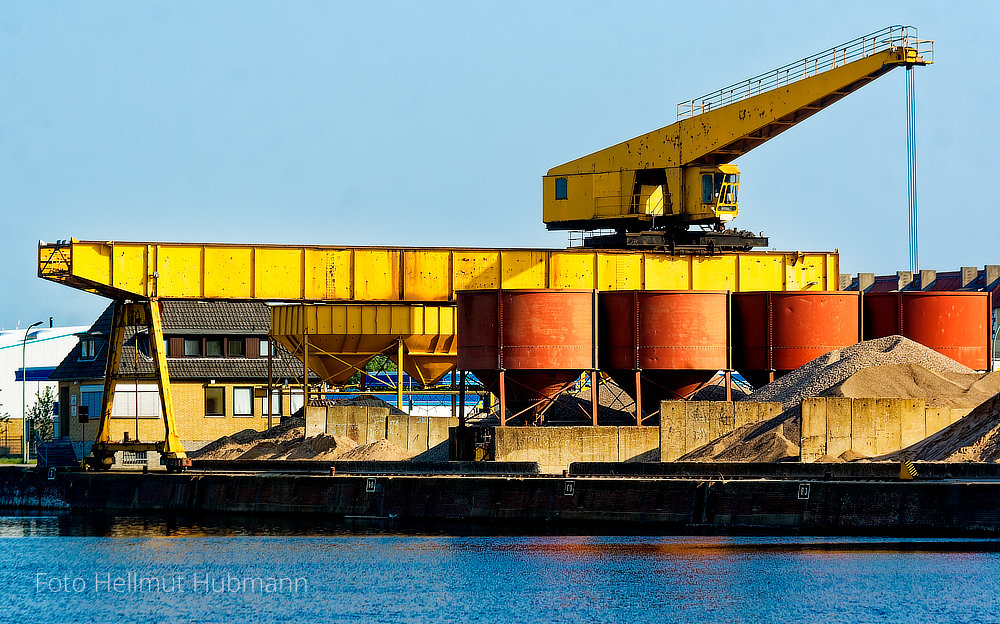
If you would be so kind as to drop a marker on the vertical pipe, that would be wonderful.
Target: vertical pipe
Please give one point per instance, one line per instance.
(270, 378)
(729, 386)
(594, 403)
(461, 400)
(503, 398)
(399, 374)
(594, 381)
(305, 367)
(638, 398)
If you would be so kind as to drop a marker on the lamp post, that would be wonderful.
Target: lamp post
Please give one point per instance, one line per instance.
(24, 394)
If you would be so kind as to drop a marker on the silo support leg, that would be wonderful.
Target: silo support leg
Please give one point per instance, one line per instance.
(594, 397)
(638, 398)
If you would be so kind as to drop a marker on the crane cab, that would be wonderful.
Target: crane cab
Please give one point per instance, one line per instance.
(711, 193)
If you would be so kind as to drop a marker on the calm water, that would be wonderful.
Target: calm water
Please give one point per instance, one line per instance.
(107, 570)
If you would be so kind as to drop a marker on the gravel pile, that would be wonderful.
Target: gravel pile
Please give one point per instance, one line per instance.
(975, 438)
(901, 364)
(828, 370)
(288, 441)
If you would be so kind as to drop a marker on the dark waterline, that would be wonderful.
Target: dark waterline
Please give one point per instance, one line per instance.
(106, 568)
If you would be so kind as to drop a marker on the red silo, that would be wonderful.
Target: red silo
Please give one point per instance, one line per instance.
(526, 346)
(665, 344)
(777, 332)
(955, 324)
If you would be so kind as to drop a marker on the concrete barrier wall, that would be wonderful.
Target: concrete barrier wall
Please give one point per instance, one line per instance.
(832, 425)
(555, 448)
(686, 425)
(365, 425)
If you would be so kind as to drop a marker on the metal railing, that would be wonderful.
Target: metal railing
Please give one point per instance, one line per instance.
(888, 38)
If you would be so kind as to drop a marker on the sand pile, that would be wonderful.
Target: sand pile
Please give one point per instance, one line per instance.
(380, 450)
(945, 389)
(975, 438)
(243, 442)
(828, 370)
(287, 441)
(891, 366)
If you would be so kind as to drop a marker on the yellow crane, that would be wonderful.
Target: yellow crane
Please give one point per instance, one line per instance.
(653, 188)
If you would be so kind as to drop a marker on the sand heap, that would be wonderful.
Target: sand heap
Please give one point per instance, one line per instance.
(975, 438)
(288, 441)
(893, 366)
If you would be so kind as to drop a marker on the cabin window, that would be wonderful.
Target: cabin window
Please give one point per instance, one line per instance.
(707, 189)
(561, 188)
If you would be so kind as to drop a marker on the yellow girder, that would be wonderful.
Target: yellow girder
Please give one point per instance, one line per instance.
(140, 270)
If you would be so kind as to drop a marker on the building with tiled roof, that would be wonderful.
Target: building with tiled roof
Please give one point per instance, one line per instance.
(217, 360)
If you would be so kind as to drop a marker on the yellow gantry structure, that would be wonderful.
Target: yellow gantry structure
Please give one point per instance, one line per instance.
(296, 273)
(358, 302)
(681, 172)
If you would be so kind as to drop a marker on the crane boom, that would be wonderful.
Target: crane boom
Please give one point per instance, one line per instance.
(680, 175)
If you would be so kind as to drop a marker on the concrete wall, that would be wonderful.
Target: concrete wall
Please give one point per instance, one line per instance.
(365, 425)
(686, 425)
(832, 425)
(555, 448)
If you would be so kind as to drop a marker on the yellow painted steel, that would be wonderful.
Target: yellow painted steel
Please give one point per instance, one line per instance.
(617, 187)
(147, 316)
(340, 339)
(139, 270)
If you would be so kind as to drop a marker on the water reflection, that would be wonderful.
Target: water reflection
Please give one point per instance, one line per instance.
(363, 572)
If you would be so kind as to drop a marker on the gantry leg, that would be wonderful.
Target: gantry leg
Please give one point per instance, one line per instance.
(172, 455)
(171, 451)
(101, 458)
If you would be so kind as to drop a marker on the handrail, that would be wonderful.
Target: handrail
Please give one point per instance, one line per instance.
(887, 38)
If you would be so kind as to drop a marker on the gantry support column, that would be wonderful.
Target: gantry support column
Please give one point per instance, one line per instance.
(137, 314)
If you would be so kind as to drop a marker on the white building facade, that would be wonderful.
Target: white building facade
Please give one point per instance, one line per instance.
(26, 360)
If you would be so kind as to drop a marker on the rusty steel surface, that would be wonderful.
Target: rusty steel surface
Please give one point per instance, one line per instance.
(776, 331)
(526, 329)
(677, 339)
(955, 324)
(527, 346)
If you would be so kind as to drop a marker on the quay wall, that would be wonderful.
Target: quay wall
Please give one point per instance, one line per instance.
(815, 505)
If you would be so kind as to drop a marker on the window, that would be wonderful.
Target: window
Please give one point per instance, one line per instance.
(265, 344)
(243, 402)
(213, 347)
(215, 401)
(88, 349)
(707, 191)
(275, 401)
(192, 347)
(295, 401)
(235, 347)
(142, 344)
(90, 402)
(561, 188)
(131, 397)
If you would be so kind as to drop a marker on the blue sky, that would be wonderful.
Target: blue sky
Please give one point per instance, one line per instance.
(429, 123)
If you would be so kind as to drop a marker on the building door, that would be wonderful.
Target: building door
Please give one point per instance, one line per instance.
(63, 431)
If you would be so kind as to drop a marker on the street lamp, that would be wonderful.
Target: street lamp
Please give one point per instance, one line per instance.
(24, 399)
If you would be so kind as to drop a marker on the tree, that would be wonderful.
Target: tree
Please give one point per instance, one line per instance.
(4, 416)
(41, 414)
